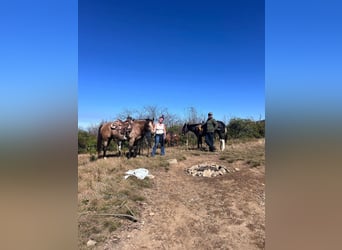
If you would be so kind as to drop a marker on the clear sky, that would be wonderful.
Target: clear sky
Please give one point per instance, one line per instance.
(173, 54)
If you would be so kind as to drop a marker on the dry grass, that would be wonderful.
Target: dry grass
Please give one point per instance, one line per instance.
(250, 152)
(102, 188)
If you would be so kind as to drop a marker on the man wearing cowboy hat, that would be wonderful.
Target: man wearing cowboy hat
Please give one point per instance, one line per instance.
(211, 127)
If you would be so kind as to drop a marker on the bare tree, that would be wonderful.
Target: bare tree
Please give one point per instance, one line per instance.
(171, 120)
(127, 112)
(150, 111)
(192, 115)
(93, 129)
(225, 119)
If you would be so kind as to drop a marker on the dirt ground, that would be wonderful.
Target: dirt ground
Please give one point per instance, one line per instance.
(189, 212)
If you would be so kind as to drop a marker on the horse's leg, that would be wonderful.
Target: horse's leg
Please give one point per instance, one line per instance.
(222, 144)
(99, 142)
(99, 149)
(140, 147)
(144, 144)
(222, 141)
(105, 144)
(148, 149)
(148, 144)
(130, 147)
(119, 147)
(129, 153)
(136, 148)
(199, 142)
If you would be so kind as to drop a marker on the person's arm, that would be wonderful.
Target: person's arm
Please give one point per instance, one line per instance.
(215, 124)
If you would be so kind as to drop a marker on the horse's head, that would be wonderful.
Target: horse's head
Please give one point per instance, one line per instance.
(148, 129)
(185, 129)
(149, 125)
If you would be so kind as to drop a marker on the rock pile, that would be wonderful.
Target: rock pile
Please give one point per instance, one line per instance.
(207, 170)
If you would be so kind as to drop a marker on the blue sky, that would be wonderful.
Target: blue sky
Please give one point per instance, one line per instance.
(38, 65)
(172, 54)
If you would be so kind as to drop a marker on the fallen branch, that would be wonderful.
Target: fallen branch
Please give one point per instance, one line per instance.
(129, 210)
(126, 216)
(129, 217)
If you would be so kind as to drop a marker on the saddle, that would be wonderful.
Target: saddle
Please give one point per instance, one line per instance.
(122, 127)
(115, 126)
(200, 128)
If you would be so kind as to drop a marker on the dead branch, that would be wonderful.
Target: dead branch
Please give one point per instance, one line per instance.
(126, 216)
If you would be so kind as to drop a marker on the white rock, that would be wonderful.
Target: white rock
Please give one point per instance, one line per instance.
(237, 169)
(172, 161)
(207, 173)
(91, 243)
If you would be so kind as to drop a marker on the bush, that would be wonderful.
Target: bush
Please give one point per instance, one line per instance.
(86, 142)
(245, 128)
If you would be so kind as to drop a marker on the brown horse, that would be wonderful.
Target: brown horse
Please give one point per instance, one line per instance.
(140, 129)
(109, 131)
(172, 139)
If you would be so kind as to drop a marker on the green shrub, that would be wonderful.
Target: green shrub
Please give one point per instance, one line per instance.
(86, 142)
(245, 128)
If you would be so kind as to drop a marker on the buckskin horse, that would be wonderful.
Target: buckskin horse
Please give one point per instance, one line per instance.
(109, 131)
(199, 129)
(139, 130)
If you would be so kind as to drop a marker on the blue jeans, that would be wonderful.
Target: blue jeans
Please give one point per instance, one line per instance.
(158, 139)
(209, 139)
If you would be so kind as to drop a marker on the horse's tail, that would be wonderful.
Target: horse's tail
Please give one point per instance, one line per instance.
(225, 134)
(99, 140)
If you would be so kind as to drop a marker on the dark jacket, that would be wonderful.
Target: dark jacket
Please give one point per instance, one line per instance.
(211, 125)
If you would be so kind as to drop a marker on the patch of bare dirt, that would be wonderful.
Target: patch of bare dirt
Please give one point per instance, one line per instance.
(186, 212)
